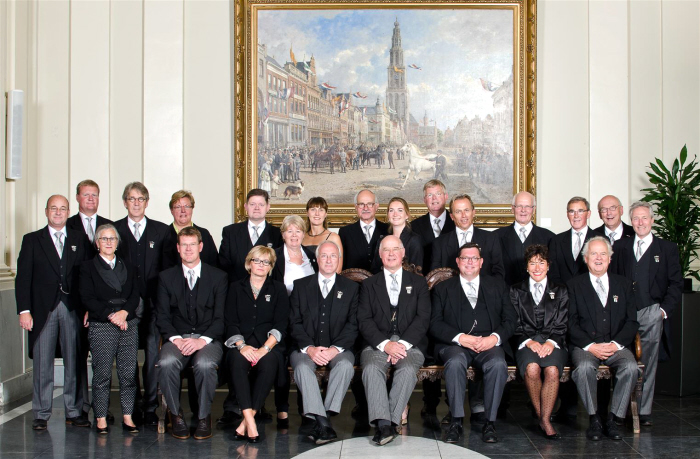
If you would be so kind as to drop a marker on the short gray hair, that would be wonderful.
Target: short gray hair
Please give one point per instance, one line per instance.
(534, 199)
(294, 220)
(327, 241)
(639, 204)
(597, 239)
(107, 226)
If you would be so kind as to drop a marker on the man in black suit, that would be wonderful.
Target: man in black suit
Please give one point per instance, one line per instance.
(519, 236)
(142, 244)
(393, 316)
(236, 241)
(653, 266)
(182, 208)
(610, 210)
(48, 305)
(436, 221)
(191, 298)
(602, 327)
(565, 248)
(471, 323)
(446, 247)
(87, 193)
(359, 239)
(324, 326)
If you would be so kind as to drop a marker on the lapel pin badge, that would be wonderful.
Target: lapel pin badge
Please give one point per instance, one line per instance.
(615, 298)
(340, 294)
(151, 244)
(267, 298)
(656, 258)
(269, 244)
(409, 289)
(551, 295)
(74, 248)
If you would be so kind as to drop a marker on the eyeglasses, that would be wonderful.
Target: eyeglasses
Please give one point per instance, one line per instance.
(365, 204)
(470, 259)
(435, 195)
(54, 209)
(576, 211)
(186, 207)
(605, 210)
(258, 261)
(190, 245)
(105, 240)
(325, 256)
(140, 199)
(519, 207)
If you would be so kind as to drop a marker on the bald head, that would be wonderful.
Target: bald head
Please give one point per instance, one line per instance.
(57, 210)
(524, 207)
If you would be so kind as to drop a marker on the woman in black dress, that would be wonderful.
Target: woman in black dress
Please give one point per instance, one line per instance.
(542, 311)
(257, 316)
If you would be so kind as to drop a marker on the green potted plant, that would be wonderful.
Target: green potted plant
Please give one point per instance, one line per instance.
(674, 194)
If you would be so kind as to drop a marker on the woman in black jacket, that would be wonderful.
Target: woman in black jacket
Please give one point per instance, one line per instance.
(111, 297)
(398, 216)
(257, 317)
(543, 313)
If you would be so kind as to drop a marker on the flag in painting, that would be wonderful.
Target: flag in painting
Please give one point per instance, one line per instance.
(291, 56)
(487, 85)
(359, 95)
(414, 66)
(308, 68)
(327, 86)
(398, 70)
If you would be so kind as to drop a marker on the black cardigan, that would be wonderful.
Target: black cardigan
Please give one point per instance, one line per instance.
(95, 294)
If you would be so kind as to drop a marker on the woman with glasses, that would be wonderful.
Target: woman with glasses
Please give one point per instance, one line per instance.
(318, 232)
(257, 316)
(182, 208)
(398, 216)
(110, 294)
(542, 308)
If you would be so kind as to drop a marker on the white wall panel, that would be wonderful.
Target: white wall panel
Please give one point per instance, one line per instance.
(208, 159)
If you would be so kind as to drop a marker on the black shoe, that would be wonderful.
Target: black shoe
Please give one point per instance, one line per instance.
(454, 432)
(39, 424)
(128, 428)
(315, 432)
(327, 435)
(618, 420)
(554, 436)
(283, 423)
(447, 419)
(150, 418)
(179, 427)
(203, 430)
(110, 417)
(611, 430)
(595, 430)
(645, 420)
(229, 417)
(102, 430)
(263, 415)
(477, 418)
(428, 410)
(254, 439)
(78, 421)
(384, 435)
(240, 437)
(488, 432)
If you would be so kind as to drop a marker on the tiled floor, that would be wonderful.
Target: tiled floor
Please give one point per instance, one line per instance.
(676, 434)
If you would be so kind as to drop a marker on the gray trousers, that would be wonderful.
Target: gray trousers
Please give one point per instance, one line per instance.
(651, 324)
(380, 404)
(61, 325)
(341, 374)
(205, 363)
(585, 373)
(492, 363)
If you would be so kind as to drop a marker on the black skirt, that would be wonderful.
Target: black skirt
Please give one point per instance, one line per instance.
(524, 357)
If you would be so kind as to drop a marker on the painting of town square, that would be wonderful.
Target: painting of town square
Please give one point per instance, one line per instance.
(386, 100)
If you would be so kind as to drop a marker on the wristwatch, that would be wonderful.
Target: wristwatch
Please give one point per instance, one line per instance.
(241, 346)
(267, 347)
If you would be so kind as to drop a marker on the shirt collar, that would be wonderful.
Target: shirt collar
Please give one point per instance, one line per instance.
(583, 232)
(603, 278)
(331, 280)
(177, 231)
(387, 276)
(197, 270)
(304, 257)
(110, 263)
(533, 282)
(617, 231)
(261, 226)
(84, 217)
(142, 223)
(442, 217)
(52, 232)
(476, 282)
(647, 240)
(373, 223)
(527, 227)
(460, 231)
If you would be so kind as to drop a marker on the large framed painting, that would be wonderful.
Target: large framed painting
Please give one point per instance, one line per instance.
(331, 97)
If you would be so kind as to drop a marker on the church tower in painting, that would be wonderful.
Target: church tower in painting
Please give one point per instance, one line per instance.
(396, 91)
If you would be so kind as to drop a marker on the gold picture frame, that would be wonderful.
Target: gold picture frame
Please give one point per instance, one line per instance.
(252, 147)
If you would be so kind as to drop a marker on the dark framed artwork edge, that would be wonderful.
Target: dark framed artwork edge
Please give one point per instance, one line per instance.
(525, 123)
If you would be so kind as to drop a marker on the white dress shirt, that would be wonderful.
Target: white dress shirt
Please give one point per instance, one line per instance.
(261, 228)
(111, 262)
(618, 231)
(142, 224)
(574, 238)
(93, 223)
(442, 218)
(527, 227)
(389, 280)
(197, 275)
(476, 282)
(372, 225)
(469, 230)
(293, 271)
(606, 285)
(533, 292)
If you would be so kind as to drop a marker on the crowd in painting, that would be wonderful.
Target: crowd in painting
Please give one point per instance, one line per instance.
(372, 304)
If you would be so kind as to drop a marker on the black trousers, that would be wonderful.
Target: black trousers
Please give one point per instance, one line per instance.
(242, 372)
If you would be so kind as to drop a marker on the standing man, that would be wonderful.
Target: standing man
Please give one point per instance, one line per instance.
(343, 160)
(519, 236)
(437, 221)
(142, 243)
(48, 304)
(471, 323)
(446, 247)
(653, 265)
(390, 157)
(324, 326)
(359, 239)
(191, 300)
(393, 316)
(610, 210)
(602, 326)
(440, 166)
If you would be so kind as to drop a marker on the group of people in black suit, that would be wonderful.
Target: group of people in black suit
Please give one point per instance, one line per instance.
(270, 297)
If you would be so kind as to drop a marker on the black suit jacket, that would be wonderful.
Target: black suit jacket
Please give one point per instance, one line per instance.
(172, 307)
(563, 267)
(279, 269)
(38, 282)
(236, 243)
(584, 307)
(156, 234)
(446, 320)
(95, 294)
(254, 318)
(374, 311)
(355, 254)
(304, 303)
(76, 223)
(422, 226)
(513, 250)
(555, 302)
(412, 243)
(627, 230)
(446, 249)
(171, 257)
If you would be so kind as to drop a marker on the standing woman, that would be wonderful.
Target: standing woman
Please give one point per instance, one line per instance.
(398, 216)
(317, 232)
(257, 316)
(542, 309)
(108, 292)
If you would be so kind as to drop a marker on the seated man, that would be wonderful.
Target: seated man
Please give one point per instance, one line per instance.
(190, 318)
(324, 326)
(393, 316)
(602, 326)
(471, 323)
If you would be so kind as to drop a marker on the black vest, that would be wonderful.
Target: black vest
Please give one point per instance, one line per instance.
(538, 309)
(191, 301)
(477, 319)
(63, 275)
(323, 328)
(137, 257)
(640, 279)
(603, 322)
